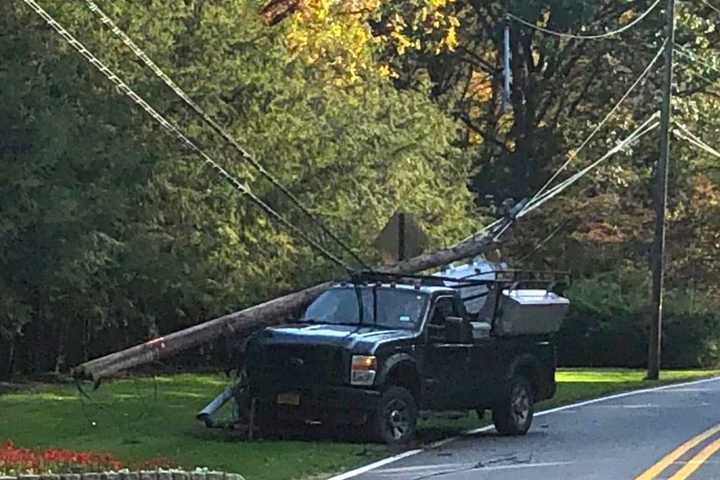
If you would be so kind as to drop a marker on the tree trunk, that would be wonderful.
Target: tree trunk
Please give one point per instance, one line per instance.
(10, 370)
(268, 313)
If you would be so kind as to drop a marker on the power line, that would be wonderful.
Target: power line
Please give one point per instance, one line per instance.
(687, 135)
(574, 154)
(641, 131)
(105, 19)
(585, 37)
(577, 151)
(701, 145)
(484, 230)
(544, 241)
(645, 128)
(711, 6)
(700, 75)
(687, 53)
(173, 130)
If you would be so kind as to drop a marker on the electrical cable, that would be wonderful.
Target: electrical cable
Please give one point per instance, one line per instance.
(585, 37)
(638, 133)
(703, 77)
(685, 52)
(569, 181)
(641, 131)
(687, 135)
(172, 129)
(212, 123)
(574, 154)
(711, 6)
(706, 148)
(544, 241)
(485, 229)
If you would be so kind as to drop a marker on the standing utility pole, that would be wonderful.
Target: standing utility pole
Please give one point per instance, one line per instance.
(658, 254)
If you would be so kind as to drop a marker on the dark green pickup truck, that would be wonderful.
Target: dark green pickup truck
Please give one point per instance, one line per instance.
(378, 355)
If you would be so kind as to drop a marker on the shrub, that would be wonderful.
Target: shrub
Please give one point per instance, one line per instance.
(608, 325)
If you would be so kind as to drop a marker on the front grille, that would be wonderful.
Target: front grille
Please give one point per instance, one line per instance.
(282, 366)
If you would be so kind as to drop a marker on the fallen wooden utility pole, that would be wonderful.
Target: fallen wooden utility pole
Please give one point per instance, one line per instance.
(268, 313)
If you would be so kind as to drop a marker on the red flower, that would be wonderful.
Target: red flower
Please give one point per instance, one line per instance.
(22, 460)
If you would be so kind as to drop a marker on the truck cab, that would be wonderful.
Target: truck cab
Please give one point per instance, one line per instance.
(376, 355)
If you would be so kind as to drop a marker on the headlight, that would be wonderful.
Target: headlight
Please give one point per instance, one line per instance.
(363, 369)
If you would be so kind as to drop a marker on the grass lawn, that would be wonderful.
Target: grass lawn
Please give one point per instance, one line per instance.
(141, 419)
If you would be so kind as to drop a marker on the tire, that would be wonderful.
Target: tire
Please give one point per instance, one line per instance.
(514, 414)
(395, 420)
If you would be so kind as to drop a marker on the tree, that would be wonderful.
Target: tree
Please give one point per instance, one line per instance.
(114, 233)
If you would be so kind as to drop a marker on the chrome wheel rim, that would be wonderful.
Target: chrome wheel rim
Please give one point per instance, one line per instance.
(520, 405)
(397, 419)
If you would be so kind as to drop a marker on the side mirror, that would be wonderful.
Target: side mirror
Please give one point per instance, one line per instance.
(454, 329)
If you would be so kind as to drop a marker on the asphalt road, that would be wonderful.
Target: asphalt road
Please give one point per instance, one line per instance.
(669, 433)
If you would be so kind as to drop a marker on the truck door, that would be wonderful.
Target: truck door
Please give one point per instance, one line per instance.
(447, 360)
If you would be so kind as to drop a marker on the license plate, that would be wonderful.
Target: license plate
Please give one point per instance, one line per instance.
(289, 399)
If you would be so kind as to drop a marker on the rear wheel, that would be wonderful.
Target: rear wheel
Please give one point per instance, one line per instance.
(514, 414)
(395, 420)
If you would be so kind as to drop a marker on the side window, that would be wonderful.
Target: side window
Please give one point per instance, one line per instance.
(444, 307)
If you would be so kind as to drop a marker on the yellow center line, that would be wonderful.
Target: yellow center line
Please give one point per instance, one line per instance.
(697, 461)
(673, 456)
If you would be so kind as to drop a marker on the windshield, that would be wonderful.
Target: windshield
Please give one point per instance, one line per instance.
(396, 308)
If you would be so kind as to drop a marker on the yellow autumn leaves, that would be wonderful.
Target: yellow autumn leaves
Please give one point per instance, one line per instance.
(345, 39)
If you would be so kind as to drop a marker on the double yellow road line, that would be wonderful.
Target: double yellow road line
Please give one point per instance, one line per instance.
(693, 464)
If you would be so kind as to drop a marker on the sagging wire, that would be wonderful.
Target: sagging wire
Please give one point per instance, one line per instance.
(645, 128)
(688, 136)
(173, 130)
(571, 36)
(484, 230)
(574, 153)
(688, 53)
(213, 124)
(691, 59)
(544, 241)
(710, 5)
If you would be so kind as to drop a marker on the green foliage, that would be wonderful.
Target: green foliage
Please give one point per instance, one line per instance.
(113, 233)
(561, 90)
(607, 325)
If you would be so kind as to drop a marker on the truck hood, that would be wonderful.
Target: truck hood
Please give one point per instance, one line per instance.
(349, 337)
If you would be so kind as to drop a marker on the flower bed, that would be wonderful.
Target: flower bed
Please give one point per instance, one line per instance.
(19, 461)
(60, 464)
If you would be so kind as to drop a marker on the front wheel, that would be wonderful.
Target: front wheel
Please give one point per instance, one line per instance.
(395, 420)
(514, 414)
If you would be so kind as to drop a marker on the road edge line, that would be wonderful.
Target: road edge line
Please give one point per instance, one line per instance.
(445, 441)
(374, 465)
